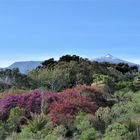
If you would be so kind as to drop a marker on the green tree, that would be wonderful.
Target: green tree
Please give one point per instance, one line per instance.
(118, 132)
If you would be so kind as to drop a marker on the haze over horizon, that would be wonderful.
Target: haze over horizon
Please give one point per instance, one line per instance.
(38, 30)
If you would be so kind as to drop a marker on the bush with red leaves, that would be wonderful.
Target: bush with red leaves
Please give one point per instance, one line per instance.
(61, 107)
(61, 112)
(88, 92)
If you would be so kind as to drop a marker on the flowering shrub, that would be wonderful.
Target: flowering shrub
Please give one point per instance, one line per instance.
(88, 92)
(60, 107)
(71, 101)
(28, 101)
(61, 112)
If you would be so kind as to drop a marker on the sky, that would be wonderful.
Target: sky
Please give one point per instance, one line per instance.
(42, 29)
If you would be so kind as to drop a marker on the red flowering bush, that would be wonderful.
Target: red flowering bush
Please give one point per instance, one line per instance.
(72, 101)
(61, 112)
(60, 107)
(88, 92)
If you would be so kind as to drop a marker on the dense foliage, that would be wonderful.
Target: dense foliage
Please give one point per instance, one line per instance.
(14, 79)
(70, 71)
(71, 99)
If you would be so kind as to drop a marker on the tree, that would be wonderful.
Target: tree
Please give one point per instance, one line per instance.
(119, 132)
(50, 63)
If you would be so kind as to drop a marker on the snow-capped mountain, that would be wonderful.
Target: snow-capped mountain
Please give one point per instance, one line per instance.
(111, 59)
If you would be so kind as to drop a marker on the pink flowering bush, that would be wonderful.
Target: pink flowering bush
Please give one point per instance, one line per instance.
(27, 101)
(60, 106)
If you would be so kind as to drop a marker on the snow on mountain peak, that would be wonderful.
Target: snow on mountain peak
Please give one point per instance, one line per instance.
(111, 59)
(108, 56)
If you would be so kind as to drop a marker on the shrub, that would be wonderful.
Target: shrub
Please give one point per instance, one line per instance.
(88, 134)
(118, 131)
(65, 111)
(37, 123)
(104, 115)
(31, 102)
(13, 136)
(88, 92)
(25, 134)
(3, 130)
(51, 137)
(14, 119)
(84, 127)
(59, 131)
(38, 128)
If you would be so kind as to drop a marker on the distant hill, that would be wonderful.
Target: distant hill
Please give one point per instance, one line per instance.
(25, 66)
(111, 59)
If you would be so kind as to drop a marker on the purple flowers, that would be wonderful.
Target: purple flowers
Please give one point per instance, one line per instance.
(56, 105)
(29, 101)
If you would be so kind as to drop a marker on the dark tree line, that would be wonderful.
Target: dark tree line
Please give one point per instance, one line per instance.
(122, 67)
(69, 71)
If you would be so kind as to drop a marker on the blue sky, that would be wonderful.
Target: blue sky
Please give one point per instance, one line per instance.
(40, 29)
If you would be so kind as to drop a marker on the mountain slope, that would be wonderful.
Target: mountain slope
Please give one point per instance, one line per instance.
(112, 59)
(25, 66)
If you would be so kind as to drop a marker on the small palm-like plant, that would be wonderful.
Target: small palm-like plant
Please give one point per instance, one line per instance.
(37, 123)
